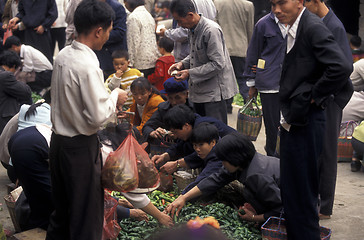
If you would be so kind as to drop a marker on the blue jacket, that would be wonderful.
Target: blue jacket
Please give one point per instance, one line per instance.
(184, 149)
(35, 13)
(211, 164)
(117, 38)
(267, 43)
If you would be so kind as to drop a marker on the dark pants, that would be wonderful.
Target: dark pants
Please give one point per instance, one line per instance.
(358, 148)
(29, 153)
(147, 72)
(238, 65)
(271, 118)
(58, 35)
(42, 42)
(76, 188)
(299, 150)
(328, 158)
(212, 109)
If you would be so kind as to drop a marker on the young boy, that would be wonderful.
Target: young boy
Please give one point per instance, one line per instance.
(124, 75)
(160, 75)
(204, 138)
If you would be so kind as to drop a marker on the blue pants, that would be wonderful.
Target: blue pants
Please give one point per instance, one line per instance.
(299, 150)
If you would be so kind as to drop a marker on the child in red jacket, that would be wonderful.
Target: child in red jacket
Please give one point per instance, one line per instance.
(165, 47)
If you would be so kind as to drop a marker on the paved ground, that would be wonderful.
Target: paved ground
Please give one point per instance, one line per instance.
(347, 222)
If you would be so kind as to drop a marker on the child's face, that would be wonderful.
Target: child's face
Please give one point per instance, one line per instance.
(120, 64)
(203, 149)
(141, 96)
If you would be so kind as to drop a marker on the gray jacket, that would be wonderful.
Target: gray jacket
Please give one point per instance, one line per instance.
(212, 77)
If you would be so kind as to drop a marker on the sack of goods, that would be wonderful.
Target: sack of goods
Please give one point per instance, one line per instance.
(128, 168)
(250, 120)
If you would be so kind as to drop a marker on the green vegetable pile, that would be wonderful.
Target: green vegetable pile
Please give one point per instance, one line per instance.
(239, 100)
(228, 218)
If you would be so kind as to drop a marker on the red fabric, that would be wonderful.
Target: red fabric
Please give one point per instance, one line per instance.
(161, 71)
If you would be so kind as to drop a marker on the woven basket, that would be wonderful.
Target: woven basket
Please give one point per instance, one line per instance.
(344, 147)
(249, 120)
(274, 229)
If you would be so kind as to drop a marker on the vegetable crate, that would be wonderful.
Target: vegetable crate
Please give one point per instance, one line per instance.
(274, 229)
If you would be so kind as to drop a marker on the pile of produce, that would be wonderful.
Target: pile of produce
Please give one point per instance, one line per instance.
(229, 221)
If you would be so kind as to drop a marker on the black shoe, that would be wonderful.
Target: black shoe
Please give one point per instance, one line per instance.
(355, 166)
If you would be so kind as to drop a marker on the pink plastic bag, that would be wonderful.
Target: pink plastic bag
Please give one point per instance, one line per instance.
(111, 227)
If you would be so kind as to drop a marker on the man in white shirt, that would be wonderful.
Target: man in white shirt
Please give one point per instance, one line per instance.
(80, 106)
(36, 70)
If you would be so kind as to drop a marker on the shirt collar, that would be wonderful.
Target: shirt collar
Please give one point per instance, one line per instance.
(293, 29)
(78, 45)
(198, 25)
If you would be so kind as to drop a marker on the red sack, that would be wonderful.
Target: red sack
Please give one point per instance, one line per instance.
(111, 227)
(120, 172)
(148, 174)
(7, 34)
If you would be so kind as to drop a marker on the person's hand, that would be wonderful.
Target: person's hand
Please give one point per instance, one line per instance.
(122, 97)
(125, 203)
(159, 159)
(169, 167)
(254, 68)
(158, 133)
(13, 21)
(119, 73)
(253, 92)
(182, 75)
(39, 29)
(165, 220)
(177, 66)
(138, 215)
(5, 26)
(250, 212)
(161, 32)
(176, 206)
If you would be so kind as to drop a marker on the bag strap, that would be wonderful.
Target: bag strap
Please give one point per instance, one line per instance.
(246, 105)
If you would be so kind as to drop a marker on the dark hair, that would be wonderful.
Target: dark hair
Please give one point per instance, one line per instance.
(32, 110)
(166, 43)
(182, 7)
(10, 59)
(204, 133)
(355, 41)
(120, 54)
(10, 41)
(178, 116)
(141, 83)
(235, 149)
(133, 4)
(92, 13)
(182, 232)
(165, 4)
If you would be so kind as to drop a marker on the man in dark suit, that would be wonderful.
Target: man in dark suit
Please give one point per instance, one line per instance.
(328, 158)
(12, 92)
(117, 39)
(314, 72)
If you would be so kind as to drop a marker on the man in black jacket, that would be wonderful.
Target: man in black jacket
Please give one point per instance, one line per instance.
(314, 72)
(12, 92)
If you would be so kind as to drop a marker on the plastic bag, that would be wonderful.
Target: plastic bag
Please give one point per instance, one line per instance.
(166, 182)
(148, 174)
(120, 172)
(111, 227)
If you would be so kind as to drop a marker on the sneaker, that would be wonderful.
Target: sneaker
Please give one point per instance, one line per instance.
(355, 166)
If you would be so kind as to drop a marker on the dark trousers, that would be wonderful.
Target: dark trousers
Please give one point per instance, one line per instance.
(212, 109)
(238, 66)
(42, 42)
(29, 153)
(76, 188)
(328, 158)
(58, 35)
(299, 150)
(271, 118)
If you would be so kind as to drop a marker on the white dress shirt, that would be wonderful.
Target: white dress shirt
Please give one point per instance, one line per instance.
(80, 101)
(34, 60)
